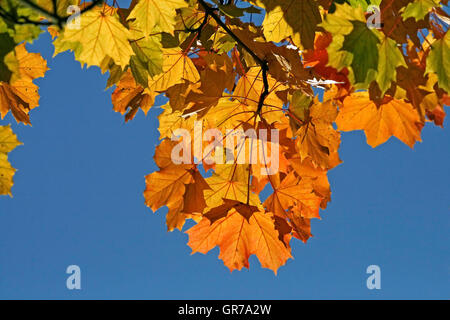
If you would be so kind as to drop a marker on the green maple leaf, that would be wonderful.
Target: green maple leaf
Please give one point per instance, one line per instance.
(419, 9)
(438, 61)
(362, 43)
(390, 57)
(339, 24)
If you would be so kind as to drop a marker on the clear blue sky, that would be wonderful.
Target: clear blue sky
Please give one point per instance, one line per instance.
(78, 200)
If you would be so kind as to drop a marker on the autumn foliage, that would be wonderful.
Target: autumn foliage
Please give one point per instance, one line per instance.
(219, 69)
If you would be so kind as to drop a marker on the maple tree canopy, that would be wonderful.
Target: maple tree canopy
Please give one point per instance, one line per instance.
(218, 69)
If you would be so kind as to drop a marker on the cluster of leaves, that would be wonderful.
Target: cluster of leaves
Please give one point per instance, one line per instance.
(8, 142)
(220, 70)
(18, 95)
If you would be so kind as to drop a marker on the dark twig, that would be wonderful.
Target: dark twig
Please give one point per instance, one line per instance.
(53, 17)
(265, 93)
(199, 28)
(262, 63)
(21, 19)
(35, 7)
(55, 7)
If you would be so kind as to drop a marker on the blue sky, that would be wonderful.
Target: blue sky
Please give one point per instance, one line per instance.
(78, 200)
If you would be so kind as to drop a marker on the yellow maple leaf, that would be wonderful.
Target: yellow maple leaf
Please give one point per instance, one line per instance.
(8, 142)
(229, 114)
(170, 121)
(151, 13)
(177, 68)
(128, 97)
(230, 181)
(163, 187)
(20, 95)
(101, 34)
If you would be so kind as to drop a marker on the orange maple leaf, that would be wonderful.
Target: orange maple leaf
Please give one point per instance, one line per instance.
(393, 118)
(128, 97)
(20, 95)
(239, 238)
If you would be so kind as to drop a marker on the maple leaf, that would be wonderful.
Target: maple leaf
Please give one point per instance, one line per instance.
(128, 97)
(20, 95)
(230, 114)
(291, 18)
(340, 24)
(177, 68)
(438, 61)
(390, 58)
(101, 34)
(148, 54)
(230, 181)
(393, 118)
(293, 191)
(419, 9)
(316, 175)
(316, 137)
(6, 175)
(239, 238)
(29, 65)
(216, 76)
(190, 206)
(169, 121)
(165, 186)
(362, 44)
(179, 187)
(151, 13)
(8, 142)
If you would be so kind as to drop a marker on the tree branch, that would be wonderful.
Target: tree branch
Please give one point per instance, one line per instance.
(53, 17)
(265, 93)
(199, 28)
(262, 63)
(35, 7)
(21, 19)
